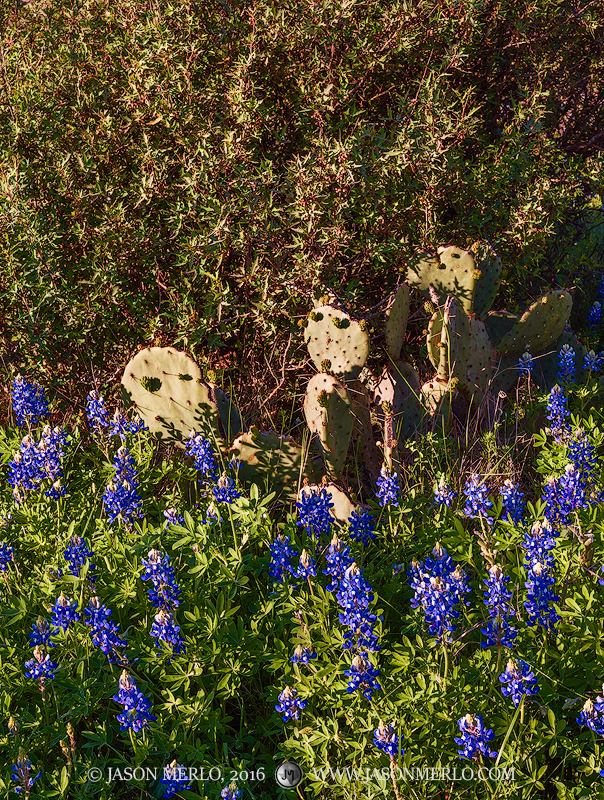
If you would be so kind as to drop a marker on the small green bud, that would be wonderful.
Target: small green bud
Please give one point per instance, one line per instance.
(146, 383)
(323, 399)
(429, 307)
(363, 325)
(326, 365)
(337, 322)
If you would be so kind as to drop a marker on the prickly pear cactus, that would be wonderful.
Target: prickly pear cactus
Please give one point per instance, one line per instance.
(395, 326)
(437, 397)
(487, 274)
(499, 324)
(540, 326)
(364, 446)
(170, 394)
(545, 373)
(478, 358)
(451, 272)
(448, 342)
(271, 461)
(328, 415)
(333, 336)
(399, 386)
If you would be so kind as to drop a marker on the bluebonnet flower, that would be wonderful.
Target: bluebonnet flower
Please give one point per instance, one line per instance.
(202, 451)
(558, 412)
(593, 362)
(477, 503)
(444, 495)
(104, 631)
(225, 490)
(7, 554)
(438, 590)
(526, 365)
(474, 738)
(565, 495)
(306, 567)
(441, 564)
(582, 453)
(592, 715)
(26, 470)
(212, 515)
(361, 525)
(165, 592)
(29, 403)
(513, 503)
(40, 667)
(497, 597)
(175, 780)
(165, 629)
(540, 596)
(385, 739)
(173, 517)
(388, 487)
(120, 425)
(290, 705)
(594, 318)
(354, 596)
(538, 543)
(21, 774)
(231, 792)
(56, 491)
(362, 675)
(338, 560)
(518, 680)
(64, 613)
(281, 558)
(566, 365)
(52, 447)
(76, 553)
(97, 414)
(313, 511)
(135, 715)
(302, 655)
(40, 634)
(121, 498)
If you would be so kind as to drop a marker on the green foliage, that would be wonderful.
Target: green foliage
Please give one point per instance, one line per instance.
(189, 174)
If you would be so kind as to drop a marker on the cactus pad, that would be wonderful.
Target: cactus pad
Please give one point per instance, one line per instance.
(271, 461)
(478, 356)
(328, 414)
(451, 273)
(332, 335)
(362, 431)
(545, 373)
(396, 321)
(399, 385)
(499, 324)
(171, 396)
(488, 270)
(448, 337)
(437, 397)
(540, 326)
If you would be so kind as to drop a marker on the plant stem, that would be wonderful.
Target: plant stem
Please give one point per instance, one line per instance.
(393, 776)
